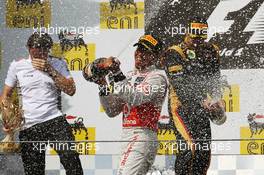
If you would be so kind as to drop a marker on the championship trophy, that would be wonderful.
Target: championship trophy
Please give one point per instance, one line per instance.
(12, 120)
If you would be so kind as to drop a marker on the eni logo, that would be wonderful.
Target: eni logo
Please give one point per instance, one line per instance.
(117, 4)
(255, 126)
(74, 50)
(28, 13)
(252, 142)
(68, 41)
(78, 126)
(122, 14)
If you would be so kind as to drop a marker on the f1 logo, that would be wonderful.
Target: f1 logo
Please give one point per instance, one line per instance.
(217, 18)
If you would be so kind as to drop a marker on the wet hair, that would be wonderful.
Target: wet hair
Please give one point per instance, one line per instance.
(40, 40)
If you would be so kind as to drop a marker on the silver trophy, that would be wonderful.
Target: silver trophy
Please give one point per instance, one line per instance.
(11, 117)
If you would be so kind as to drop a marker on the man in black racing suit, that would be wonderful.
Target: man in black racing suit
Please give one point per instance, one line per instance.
(193, 70)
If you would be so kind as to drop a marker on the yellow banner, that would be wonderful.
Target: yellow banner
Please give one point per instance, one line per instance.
(251, 147)
(28, 14)
(121, 16)
(76, 57)
(83, 148)
(231, 98)
(167, 144)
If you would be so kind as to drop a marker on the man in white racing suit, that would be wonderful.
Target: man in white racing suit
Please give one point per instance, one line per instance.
(139, 96)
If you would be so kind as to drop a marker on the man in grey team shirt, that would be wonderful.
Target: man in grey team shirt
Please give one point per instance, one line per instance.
(41, 78)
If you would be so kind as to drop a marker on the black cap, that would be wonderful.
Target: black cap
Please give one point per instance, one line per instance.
(150, 43)
(40, 40)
